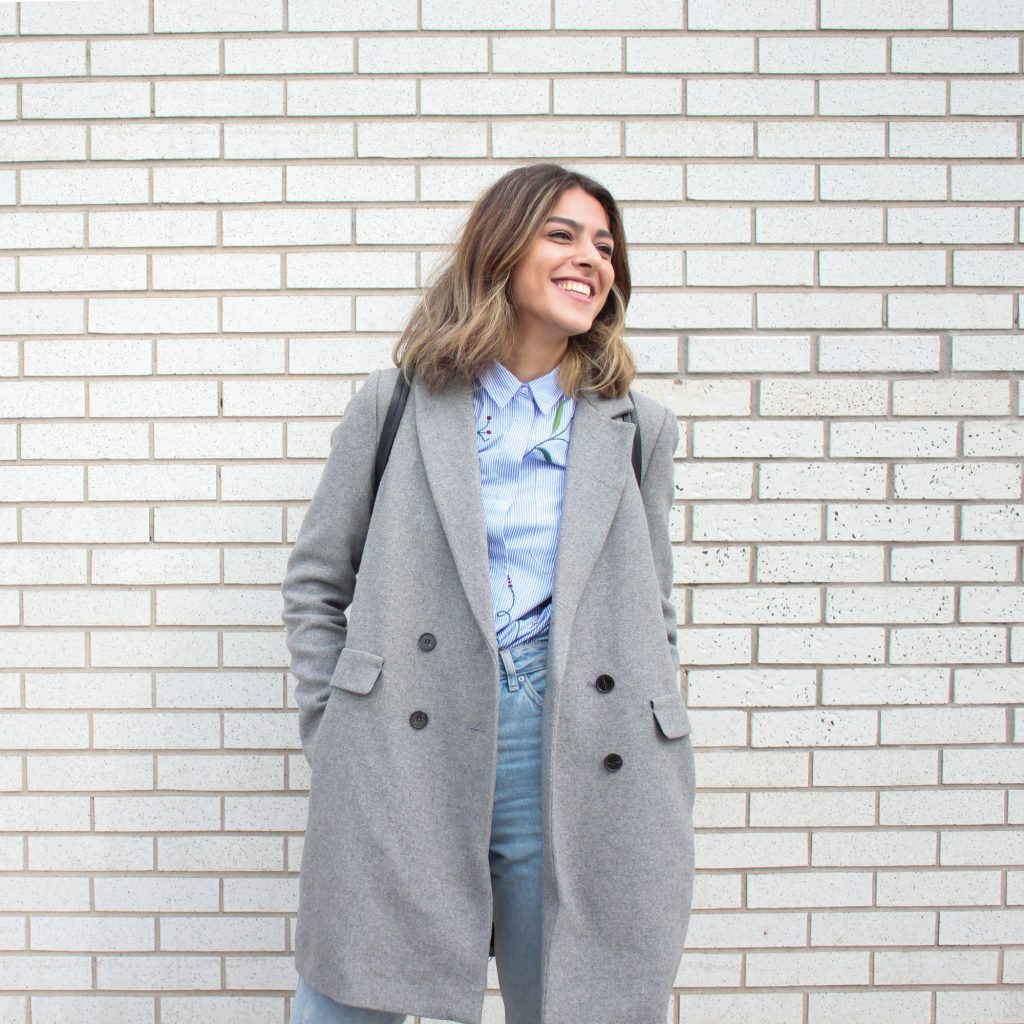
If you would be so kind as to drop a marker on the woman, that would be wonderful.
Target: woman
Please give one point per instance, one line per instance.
(495, 728)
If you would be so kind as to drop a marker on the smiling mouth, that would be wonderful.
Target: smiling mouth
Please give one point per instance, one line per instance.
(576, 290)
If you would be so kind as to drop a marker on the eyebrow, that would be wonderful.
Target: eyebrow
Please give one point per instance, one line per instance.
(579, 227)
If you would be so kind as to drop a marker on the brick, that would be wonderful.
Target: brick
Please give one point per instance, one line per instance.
(407, 139)
(750, 15)
(815, 727)
(821, 644)
(889, 604)
(154, 141)
(24, 142)
(821, 309)
(876, 767)
(822, 480)
(690, 137)
(616, 96)
(220, 184)
(987, 352)
(831, 563)
(608, 14)
(808, 888)
(480, 96)
(956, 55)
(900, 14)
(987, 14)
(730, 96)
(888, 96)
(951, 398)
(327, 16)
(957, 480)
(234, 16)
(689, 310)
(692, 54)
(939, 807)
(288, 141)
(537, 54)
(950, 225)
(216, 98)
(827, 55)
(742, 354)
(868, 928)
(460, 15)
(985, 182)
(993, 97)
(903, 439)
(352, 96)
(884, 685)
(550, 139)
(732, 522)
(807, 968)
(277, 54)
(915, 182)
(710, 267)
(42, 59)
(863, 353)
(423, 54)
(949, 563)
(953, 309)
(801, 225)
(207, 271)
(819, 139)
(868, 268)
(86, 19)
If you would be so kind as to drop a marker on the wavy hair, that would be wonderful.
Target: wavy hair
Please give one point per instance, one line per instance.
(466, 318)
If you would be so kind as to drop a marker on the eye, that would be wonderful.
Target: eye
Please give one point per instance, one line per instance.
(606, 249)
(559, 232)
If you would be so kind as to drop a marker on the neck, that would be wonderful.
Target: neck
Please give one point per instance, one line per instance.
(531, 360)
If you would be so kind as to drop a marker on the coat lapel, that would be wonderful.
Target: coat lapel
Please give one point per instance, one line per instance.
(446, 428)
(597, 468)
(596, 472)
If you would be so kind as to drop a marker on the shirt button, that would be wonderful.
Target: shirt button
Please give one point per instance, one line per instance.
(418, 719)
(427, 642)
(613, 762)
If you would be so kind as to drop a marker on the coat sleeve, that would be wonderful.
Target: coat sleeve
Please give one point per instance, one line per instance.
(320, 575)
(658, 491)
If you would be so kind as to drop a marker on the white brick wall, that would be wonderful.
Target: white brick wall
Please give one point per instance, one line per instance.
(214, 219)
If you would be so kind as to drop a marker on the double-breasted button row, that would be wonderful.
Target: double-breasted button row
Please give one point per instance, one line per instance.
(605, 683)
(426, 642)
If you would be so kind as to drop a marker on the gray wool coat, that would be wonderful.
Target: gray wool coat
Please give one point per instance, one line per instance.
(388, 619)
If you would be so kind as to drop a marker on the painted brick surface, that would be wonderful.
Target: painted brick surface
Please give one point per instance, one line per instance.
(214, 219)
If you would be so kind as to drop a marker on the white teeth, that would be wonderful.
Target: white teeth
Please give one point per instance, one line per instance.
(574, 286)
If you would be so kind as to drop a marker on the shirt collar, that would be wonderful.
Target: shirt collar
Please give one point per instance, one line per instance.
(501, 384)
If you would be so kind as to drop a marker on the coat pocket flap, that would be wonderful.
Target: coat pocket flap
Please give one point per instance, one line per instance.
(356, 671)
(671, 714)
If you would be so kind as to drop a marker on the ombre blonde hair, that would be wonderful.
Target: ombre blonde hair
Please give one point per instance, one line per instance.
(466, 318)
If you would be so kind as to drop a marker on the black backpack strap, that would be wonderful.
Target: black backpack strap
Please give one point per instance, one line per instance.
(631, 416)
(387, 434)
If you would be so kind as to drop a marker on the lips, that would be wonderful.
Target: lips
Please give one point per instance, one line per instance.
(575, 294)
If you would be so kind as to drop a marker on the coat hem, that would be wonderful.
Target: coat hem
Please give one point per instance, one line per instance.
(413, 1004)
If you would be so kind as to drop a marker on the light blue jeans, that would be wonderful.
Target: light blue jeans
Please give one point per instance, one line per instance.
(516, 854)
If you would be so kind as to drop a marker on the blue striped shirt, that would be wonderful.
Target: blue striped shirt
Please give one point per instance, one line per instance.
(522, 440)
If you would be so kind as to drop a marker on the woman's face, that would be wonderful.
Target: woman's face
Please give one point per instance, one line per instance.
(562, 281)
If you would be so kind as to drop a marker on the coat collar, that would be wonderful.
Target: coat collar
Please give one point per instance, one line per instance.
(597, 469)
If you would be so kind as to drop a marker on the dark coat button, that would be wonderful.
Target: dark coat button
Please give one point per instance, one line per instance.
(612, 762)
(604, 682)
(427, 642)
(418, 719)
